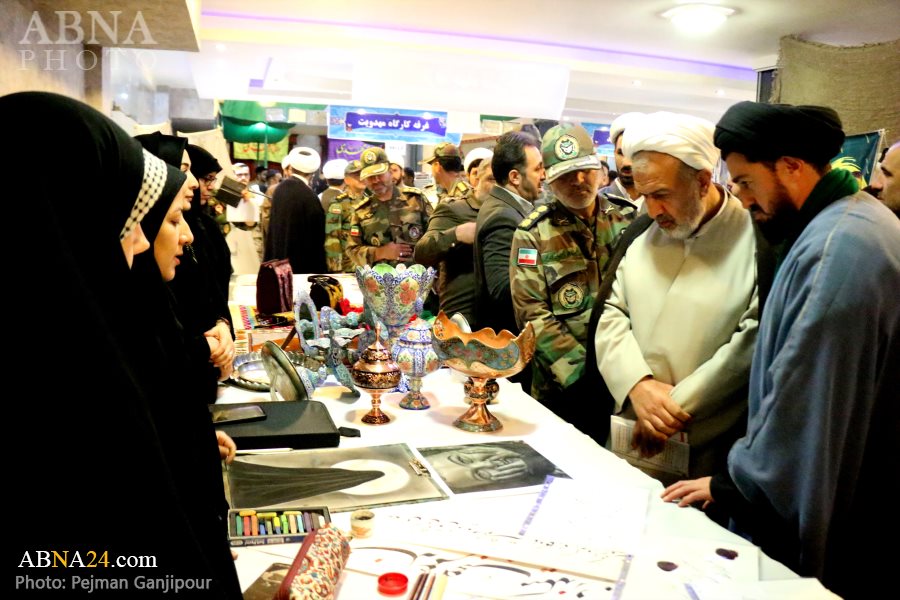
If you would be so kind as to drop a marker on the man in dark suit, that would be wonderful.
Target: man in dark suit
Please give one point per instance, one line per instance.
(519, 171)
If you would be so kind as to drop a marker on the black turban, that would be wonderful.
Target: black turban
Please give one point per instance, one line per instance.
(766, 132)
(202, 162)
(170, 148)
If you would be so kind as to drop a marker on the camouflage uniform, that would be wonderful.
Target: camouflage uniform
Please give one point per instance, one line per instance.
(555, 265)
(556, 261)
(460, 189)
(337, 226)
(337, 233)
(403, 218)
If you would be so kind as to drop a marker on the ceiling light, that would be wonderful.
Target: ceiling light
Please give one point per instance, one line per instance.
(636, 82)
(698, 19)
(220, 47)
(720, 92)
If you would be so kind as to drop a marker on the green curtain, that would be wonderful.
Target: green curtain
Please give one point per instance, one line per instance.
(245, 121)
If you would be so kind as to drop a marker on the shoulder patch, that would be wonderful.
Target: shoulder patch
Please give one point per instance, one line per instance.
(536, 215)
(335, 208)
(408, 189)
(342, 196)
(361, 203)
(527, 257)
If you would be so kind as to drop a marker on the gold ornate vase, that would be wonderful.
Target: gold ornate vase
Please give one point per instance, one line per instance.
(481, 355)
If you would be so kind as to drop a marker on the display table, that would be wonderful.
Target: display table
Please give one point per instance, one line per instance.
(524, 419)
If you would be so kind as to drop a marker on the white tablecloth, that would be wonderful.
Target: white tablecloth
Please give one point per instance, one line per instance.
(523, 418)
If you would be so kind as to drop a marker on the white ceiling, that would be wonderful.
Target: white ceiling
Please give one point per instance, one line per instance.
(585, 59)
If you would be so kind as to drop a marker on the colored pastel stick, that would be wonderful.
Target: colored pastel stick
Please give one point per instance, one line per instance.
(293, 521)
(276, 526)
(284, 524)
(307, 522)
(254, 525)
(262, 529)
(321, 520)
(247, 530)
(239, 525)
(269, 527)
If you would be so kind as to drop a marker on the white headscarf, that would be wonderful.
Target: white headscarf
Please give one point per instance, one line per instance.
(687, 138)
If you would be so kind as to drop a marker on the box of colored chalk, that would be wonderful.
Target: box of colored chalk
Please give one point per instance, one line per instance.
(260, 527)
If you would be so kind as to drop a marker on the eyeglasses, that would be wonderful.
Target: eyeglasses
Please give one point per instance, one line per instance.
(209, 179)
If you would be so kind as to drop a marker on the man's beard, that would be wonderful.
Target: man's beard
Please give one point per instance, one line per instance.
(578, 201)
(778, 224)
(626, 177)
(689, 223)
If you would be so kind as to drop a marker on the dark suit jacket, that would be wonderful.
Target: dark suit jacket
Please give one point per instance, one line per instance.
(497, 221)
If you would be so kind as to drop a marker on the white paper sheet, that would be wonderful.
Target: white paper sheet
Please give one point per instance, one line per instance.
(595, 514)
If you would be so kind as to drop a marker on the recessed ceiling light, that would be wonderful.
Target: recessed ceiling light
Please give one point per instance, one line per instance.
(220, 47)
(636, 82)
(720, 92)
(123, 96)
(698, 19)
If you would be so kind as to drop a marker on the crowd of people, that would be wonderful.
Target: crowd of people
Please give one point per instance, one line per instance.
(759, 315)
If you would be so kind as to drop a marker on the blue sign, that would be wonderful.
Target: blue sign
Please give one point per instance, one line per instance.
(598, 132)
(389, 125)
(600, 136)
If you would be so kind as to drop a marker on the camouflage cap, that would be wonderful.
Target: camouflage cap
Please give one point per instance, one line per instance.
(566, 148)
(374, 162)
(354, 166)
(442, 150)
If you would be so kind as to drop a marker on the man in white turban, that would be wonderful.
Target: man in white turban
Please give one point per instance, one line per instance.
(676, 336)
(623, 186)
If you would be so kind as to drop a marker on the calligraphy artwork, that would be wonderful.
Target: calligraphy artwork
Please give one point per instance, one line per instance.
(471, 576)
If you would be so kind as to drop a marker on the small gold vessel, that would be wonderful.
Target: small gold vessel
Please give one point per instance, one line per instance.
(376, 373)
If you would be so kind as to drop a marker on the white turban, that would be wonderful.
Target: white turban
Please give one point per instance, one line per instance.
(623, 122)
(687, 138)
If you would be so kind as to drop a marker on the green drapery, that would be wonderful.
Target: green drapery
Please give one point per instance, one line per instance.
(245, 121)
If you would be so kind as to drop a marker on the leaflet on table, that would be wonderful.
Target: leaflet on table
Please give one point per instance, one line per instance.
(673, 459)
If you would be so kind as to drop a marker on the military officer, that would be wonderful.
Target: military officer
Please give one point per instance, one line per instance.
(447, 169)
(387, 223)
(558, 253)
(337, 220)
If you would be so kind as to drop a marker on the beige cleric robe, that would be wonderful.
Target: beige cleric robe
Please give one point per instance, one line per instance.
(685, 312)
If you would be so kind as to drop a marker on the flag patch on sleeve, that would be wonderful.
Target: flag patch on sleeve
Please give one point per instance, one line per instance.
(527, 257)
(354, 231)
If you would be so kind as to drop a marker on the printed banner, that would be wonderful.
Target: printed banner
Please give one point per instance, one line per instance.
(346, 149)
(389, 124)
(256, 151)
(859, 154)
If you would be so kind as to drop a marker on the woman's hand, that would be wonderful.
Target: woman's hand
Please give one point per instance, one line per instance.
(224, 352)
(227, 447)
